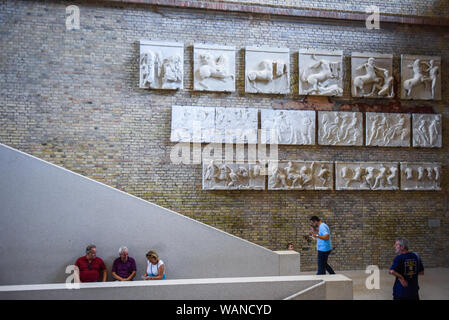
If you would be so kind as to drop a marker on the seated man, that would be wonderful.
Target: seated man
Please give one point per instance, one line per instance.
(90, 267)
(124, 267)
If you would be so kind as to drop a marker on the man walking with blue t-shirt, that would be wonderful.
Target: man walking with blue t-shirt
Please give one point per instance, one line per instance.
(406, 268)
(323, 244)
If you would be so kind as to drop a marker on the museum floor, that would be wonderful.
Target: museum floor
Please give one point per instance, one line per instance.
(434, 284)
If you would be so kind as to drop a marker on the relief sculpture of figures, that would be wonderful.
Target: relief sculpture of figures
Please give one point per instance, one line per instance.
(214, 68)
(287, 126)
(161, 65)
(420, 176)
(427, 130)
(432, 78)
(216, 125)
(340, 128)
(300, 175)
(320, 73)
(170, 73)
(236, 125)
(420, 77)
(192, 124)
(366, 175)
(148, 63)
(372, 75)
(267, 70)
(218, 175)
(388, 129)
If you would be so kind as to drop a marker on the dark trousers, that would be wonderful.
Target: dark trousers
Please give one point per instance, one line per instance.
(406, 298)
(322, 263)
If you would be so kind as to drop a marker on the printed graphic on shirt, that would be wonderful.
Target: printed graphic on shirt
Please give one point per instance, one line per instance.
(410, 267)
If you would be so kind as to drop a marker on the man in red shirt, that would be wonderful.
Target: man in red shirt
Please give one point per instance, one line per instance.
(90, 266)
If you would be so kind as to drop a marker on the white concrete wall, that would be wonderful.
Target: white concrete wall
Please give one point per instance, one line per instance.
(50, 214)
(254, 288)
(289, 262)
(338, 286)
(315, 292)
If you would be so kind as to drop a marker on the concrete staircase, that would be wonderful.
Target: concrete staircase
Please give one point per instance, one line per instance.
(50, 214)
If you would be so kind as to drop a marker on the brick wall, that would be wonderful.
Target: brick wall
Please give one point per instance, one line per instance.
(402, 7)
(72, 98)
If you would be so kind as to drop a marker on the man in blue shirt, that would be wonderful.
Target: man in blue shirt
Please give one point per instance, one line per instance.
(406, 268)
(323, 244)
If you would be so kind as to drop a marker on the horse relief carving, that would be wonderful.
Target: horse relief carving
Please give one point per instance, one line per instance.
(420, 77)
(320, 73)
(366, 176)
(214, 68)
(387, 129)
(218, 175)
(340, 128)
(427, 130)
(267, 70)
(300, 175)
(372, 75)
(161, 65)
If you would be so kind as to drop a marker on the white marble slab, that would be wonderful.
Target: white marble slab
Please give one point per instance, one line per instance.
(161, 64)
(300, 175)
(192, 124)
(372, 75)
(421, 176)
(236, 125)
(388, 129)
(214, 68)
(267, 70)
(295, 127)
(320, 72)
(366, 175)
(420, 77)
(340, 128)
(219, 175)
(427, 130)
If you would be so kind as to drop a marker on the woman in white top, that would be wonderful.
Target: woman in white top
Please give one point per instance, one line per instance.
(155, 267)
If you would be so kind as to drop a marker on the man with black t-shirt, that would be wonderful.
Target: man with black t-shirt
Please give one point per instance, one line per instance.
(406, 268)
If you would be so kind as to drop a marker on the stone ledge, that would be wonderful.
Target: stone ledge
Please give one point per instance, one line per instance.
(299, 287)
(293, 12)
